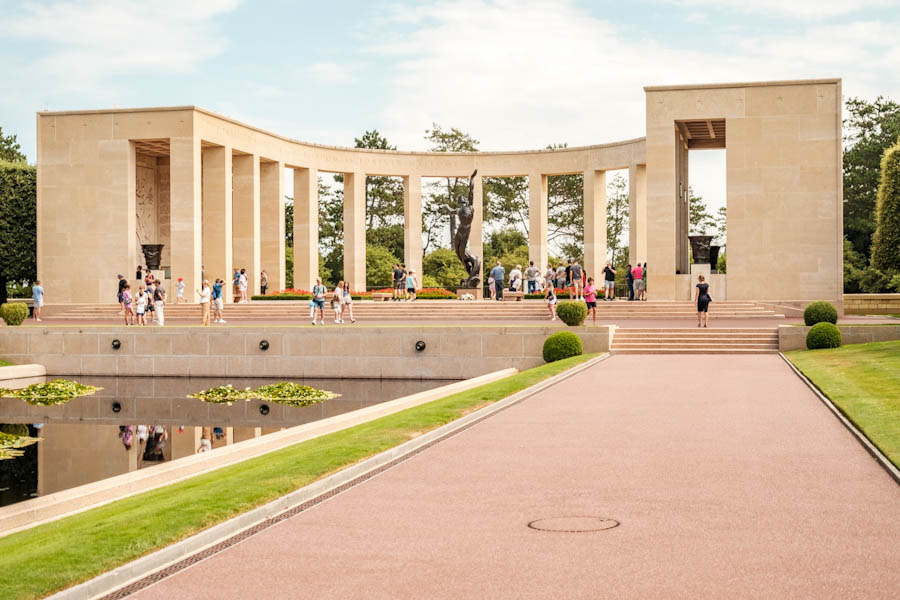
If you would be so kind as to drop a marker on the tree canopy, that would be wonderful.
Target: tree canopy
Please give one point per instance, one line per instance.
(18, 224)
(10, 150)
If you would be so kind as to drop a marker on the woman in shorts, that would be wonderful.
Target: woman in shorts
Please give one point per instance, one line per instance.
(348, 301)
(337, 302)
(141, 305)
(128, 303)
(550, 298)
(411, 285)
(318, 300)
(590, 297)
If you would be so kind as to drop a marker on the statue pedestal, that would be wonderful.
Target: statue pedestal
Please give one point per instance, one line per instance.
(477, 292)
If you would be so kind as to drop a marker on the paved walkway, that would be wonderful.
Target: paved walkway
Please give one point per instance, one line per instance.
(728, 476)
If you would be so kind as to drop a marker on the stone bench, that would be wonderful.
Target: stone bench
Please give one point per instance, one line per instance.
(512, 296)
(381, 296)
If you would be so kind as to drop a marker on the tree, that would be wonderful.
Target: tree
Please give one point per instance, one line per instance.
(18, 224)
(379, 266)
(10, 150)
(384, 195)
(886, 241)
(565, 210)
(616, 218)
(721, 222)
(871, 128)
(701, 221)
(506, 202)
(442, 195)
(443, 265)
(331, 228)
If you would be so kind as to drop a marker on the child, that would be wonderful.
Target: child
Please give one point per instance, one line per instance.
(337, 301)
(141, 303)
(128, 303)
(179, 295)
(550, 297)
(411, 285)
(590, 297)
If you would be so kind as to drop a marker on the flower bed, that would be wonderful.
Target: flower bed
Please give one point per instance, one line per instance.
(423, 294)
(560, 294)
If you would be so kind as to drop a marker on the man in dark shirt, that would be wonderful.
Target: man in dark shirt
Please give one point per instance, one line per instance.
(629, 279)
(398, 282)
(609, 284)
(499, 274)
(122, 283)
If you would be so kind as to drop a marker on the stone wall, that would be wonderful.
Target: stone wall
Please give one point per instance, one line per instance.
(301, 351)
(794, 338)
(872, 304)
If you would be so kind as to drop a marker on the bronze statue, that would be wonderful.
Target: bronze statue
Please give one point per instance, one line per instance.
(459, 235)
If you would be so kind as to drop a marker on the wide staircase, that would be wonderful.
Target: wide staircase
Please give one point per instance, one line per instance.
(422, 311)
(722, 340)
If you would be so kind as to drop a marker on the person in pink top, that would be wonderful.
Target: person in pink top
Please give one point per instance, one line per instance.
(637, 274)
(590, 297)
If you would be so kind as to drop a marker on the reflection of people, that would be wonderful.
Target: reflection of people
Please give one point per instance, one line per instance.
(205, 440)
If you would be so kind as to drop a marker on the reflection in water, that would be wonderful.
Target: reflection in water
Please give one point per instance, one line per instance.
(137, 422)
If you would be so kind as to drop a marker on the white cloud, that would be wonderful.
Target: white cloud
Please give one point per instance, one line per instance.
(331, 72)
(92, 41)
(804, 9)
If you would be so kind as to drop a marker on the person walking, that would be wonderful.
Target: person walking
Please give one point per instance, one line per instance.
(577, 280)
(159, 302)
(37, 295)
(122, 284)
(609, 282)
(205, 295)
(411, 285)
(629, 279)
(590, 298)
(550, 299)
(702, 298)
(318, 299)
(263, 282)
(531, 276)
(499, 274)
(348, 301)
(637, 274)
(128, 303)
(644, 283)
(398, 282)
(491, 287)
(218, 302)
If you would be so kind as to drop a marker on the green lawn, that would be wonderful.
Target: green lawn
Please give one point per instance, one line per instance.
(863, 381)
(50, 557)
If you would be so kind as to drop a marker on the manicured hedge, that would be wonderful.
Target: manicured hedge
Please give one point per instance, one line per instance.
(820, 312)
(823, 335)
(18, 224)
(572, 313)
(14, 313)
(562, 344)
(886, 240)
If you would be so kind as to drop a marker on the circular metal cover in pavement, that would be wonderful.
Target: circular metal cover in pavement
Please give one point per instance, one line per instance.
(573, 524)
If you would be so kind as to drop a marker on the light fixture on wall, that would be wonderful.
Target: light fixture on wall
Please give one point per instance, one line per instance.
(263, 409)
(264, 345)
(116, 407)
(420, 346)
(116, 344)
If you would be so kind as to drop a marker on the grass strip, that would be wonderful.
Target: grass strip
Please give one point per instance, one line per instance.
(863, 381)
(3, 363)
(50, 557)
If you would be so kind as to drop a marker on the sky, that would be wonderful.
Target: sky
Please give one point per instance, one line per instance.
(514, 74)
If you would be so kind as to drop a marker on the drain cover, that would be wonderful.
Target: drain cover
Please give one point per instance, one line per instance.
(573, 524)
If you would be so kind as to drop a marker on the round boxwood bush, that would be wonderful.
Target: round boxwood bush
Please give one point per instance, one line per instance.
(823, 335)
(14, 313)
(820, 312)
(562, 344)
(571, 313)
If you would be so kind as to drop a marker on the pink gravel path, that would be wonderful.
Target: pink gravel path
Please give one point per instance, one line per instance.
(730, 480)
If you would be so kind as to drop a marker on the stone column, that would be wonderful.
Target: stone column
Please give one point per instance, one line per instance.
(637, 214)
(412, 229)
(594, 223)
(306, 228)
(246, 213)
(476, 235)
(271, 223)
(355, 229)
(185, 224)
(537, 218)
(217, 218)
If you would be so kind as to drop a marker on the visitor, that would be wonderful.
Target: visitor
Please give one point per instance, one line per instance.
(148, 277)
(149, 294)
(139, 273)
(263, 282)
(702, 298)
(637, 273)
(577, 281)
(318, 299)
(205, 440)
(128, 303)
(242, 286)
(499, 274)
(236, 286)
(550, 298)
(37, 294)
(411, 285)
(515, 283)
(179, 291)
(337, 301)
(205, 293)
(514, 274)
(560, 282)
(122, 284)
(218, 303)
(590, 298)
(629, 279)
(159, 302)
(398, 283)
(491, 287)
(202, 273)
(644, 283)
(348, 301)
(531, 276)
(549, 276)
(140, 304)
(609, 282)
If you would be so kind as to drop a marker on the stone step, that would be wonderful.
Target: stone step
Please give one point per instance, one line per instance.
(694, 351)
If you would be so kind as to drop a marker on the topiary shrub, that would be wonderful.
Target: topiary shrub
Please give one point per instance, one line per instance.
(572, 313)
(562, 344)
(823, 335)
(14, 313)
(820, 312)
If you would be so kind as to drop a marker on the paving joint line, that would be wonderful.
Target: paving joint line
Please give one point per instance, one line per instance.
(144, 572)
(873, 450)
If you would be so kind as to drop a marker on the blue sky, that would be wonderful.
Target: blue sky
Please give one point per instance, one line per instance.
(513, 74)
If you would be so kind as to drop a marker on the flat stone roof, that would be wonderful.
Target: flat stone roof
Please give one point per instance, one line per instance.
(701, 86)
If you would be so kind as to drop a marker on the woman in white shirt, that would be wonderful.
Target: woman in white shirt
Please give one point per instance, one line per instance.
(337, 301)
(204, 293)
(242, 286)
(348, 301)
